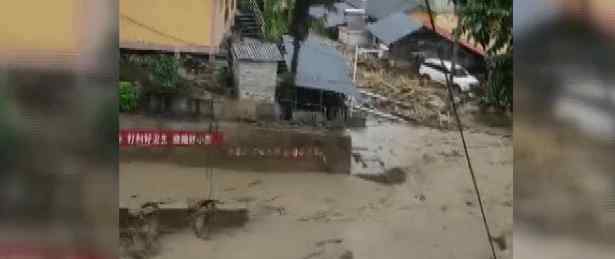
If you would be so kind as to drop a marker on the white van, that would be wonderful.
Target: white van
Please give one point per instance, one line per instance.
(431, 69)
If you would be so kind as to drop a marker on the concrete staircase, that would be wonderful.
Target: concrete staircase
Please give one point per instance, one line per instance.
(249, 19)
(249, 22)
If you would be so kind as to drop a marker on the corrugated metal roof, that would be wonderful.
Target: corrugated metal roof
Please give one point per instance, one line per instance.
(333, 18)
(357, 3)
(383, 8)
(394, 27)
(320, 66)
(256, 50)
(445, 25)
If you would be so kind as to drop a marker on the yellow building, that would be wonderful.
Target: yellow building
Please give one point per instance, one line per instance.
(175, 25)
(67, 34)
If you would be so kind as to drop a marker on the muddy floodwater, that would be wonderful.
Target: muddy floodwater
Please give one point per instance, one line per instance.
(431, 212)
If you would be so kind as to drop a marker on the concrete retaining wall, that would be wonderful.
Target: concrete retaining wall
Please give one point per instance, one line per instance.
(247, 110)
(247, 147)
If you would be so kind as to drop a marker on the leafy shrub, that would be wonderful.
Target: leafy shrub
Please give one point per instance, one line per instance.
(128, 97)
(500, 92)
(164, 70)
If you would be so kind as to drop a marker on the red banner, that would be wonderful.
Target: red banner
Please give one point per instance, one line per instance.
(160, 138)
(36, 250)
(299, 153)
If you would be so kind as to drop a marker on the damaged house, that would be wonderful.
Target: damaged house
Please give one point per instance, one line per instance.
(409, 35)
(402, 29)
(322, 89)
(323, 86)
(344, 22)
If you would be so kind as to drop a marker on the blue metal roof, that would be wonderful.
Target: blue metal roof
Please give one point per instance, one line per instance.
(320, 66)
(357, 3)
(394, 27)
(333, 18)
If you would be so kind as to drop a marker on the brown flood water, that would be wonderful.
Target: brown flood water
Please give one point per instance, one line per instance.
(433, 213)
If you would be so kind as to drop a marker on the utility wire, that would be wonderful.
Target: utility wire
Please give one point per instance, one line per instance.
(449, 78)
(155, 30)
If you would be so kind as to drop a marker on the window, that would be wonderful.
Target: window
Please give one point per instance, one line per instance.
(226, 11)
(436, 67)
(460, 72)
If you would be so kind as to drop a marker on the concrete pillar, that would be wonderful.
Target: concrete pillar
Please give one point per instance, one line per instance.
(212, 57)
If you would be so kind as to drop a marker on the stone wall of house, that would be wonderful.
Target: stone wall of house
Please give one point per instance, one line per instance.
(352, 37)
(256, 81)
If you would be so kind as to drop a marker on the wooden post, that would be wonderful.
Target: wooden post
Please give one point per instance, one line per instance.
(212, 58)
(177, 55)
(198, 106)
(321, 97)
(354, 66)
(296, 96)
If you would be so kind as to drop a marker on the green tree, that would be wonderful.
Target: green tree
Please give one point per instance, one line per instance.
(300, 26)
(128, 97)
(164, 69)
(277, 15)
(291, 17)
(489, 22)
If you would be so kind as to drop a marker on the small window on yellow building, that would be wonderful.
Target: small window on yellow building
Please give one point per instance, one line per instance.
(226, 11)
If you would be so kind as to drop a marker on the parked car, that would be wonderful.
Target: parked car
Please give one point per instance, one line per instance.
(432, 69)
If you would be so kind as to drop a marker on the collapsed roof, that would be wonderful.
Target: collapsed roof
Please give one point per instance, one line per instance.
(320, 66)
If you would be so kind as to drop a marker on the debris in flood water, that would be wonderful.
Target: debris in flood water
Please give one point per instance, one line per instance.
(452, 153)
(347, 255)
(427, 158)
(274, 198)
(507, 203)
(330, 241)
(245, 199)
(500, 241)
(254, 183)
(393, 176)
(279, 209)
(421, 197)
(313, 254)
(358, 158)
(325, 216)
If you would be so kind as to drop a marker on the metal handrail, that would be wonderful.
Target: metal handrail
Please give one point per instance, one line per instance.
(258, 14)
